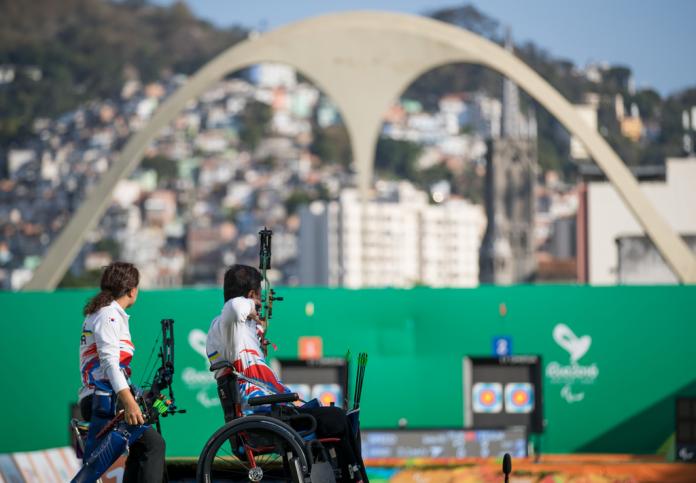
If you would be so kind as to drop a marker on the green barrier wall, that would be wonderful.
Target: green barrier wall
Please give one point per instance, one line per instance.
(633, 350)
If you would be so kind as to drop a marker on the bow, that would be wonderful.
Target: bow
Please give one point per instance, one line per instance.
(267, 293)
(154, 403)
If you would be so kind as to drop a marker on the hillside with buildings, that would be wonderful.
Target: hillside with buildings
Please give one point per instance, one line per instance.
(267, 148)
(61, 53)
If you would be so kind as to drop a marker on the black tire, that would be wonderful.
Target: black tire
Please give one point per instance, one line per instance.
(275, 445)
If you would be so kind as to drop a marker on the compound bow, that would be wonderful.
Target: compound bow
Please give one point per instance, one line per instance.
(268, 295)
(151, 398)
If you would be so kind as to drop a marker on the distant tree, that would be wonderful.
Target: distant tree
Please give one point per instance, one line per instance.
(304, 196)
(469, 185)
(89, 278)
(616, 79)
(672, 129)
(109, 245)
(397, 158)
(559, 73)
(268, 163)
(549, 156)
(470, 18)
(433, 174)
(331, 144)
(297, 199)
(166, 168)
(131, 3)
(431, 86)
(648, 102)
(254, 124)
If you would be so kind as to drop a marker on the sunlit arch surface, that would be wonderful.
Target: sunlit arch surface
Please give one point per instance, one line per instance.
(363, 61)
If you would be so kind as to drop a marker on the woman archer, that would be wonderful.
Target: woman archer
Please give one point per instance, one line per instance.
(106, 351)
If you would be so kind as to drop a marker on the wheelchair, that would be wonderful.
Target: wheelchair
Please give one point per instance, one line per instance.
(281, 446)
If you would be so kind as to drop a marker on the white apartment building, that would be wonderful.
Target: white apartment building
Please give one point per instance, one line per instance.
(450, 237)
(618, 250)
(396, 239)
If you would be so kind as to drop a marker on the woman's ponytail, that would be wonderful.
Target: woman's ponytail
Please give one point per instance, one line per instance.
(117, 280)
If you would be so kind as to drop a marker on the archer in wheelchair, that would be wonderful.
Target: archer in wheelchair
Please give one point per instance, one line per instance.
(118, 417)
(265, 436)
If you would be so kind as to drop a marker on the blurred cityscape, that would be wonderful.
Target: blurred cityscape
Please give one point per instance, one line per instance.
(265, 147)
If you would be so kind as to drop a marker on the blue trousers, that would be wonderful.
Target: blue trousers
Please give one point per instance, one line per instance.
(145, 462)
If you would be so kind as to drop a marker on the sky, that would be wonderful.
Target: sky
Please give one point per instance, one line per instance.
(655, 38)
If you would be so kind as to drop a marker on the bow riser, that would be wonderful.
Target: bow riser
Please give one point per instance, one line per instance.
(153, 401)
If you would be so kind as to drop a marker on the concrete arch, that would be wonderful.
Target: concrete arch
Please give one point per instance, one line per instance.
(363, 61)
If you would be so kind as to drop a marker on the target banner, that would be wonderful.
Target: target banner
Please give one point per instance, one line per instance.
(487, 397)
(519, 397)
(327, 394)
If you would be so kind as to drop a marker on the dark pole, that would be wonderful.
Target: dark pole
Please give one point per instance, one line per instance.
(507, 466)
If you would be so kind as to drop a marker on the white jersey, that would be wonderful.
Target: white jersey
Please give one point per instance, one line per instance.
(106, 350)
(221, 341)
(236, 338)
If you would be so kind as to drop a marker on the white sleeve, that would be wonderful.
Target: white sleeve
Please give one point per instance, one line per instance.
(107, 338)
(235, 311)
(242, 308)
(228, 319)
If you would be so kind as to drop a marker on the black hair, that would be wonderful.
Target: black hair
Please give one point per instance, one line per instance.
(117, 279)
(239, 279)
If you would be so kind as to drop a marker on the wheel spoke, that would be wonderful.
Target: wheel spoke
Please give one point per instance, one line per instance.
(229, 456)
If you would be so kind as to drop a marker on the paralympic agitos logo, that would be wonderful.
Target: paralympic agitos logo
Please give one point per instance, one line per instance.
(574, 373)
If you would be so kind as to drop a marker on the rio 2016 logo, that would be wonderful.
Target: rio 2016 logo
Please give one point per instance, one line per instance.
(574, 373)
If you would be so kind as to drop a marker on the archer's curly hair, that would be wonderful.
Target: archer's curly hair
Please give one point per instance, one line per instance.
(239, 279)
(117, 279)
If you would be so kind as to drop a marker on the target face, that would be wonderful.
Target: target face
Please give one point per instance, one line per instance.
(487, 397)
(519, 397)
(327, 394)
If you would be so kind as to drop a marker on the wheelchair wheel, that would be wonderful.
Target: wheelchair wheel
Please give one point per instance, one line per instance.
(253, 448)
